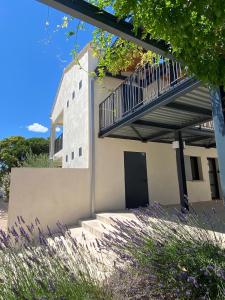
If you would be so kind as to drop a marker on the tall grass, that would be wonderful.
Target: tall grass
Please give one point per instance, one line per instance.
(39, 161)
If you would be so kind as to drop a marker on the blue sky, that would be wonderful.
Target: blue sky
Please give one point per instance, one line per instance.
(33, 57)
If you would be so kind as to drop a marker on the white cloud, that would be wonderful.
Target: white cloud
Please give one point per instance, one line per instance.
(36, 127)
(58, 129)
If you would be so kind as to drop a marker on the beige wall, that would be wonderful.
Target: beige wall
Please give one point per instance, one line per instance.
(50, 194)
(161, 165)
(200, 190)
(161, 169)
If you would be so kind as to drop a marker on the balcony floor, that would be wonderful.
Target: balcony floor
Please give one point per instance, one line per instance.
(182, 108)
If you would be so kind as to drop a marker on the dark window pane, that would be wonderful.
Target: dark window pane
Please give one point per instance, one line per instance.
(80, 151)
(194, 168)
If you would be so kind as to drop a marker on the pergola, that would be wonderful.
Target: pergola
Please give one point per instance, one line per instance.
(108, 22)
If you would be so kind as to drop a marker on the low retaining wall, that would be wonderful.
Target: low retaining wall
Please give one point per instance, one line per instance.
(50, 195)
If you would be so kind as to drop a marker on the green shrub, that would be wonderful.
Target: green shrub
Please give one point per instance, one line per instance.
(5, 185)
(39, 161)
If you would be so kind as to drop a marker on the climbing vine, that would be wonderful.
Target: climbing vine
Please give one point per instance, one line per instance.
(195, 29)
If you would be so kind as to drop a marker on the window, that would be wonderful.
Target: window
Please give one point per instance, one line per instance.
(80, 84)
(68, 103)
(72, 155)
(73, 95)
(80, 151)
(193, 168)
(66, 158)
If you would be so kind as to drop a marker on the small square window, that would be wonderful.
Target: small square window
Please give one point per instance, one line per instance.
(80, 84)
(66, 158)
(193, 168)
(80, 151)
(72, 155)
(68, 103)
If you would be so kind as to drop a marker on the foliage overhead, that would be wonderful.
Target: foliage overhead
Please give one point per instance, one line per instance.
(195, 30)
(13, 150)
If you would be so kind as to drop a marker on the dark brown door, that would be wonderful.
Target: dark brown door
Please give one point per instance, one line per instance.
(213, 178)
(136, 183)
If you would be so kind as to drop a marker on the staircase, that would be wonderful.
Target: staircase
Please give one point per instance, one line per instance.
(90, 230)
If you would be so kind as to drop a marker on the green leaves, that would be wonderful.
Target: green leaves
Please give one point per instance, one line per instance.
(195, 29)
(13, 150)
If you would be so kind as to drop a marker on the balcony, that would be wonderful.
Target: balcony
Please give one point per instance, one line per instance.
(155, 102)
(142, 87)
(208, 125)
(58, 144)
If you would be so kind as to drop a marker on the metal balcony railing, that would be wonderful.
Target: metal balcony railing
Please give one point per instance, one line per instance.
(145, 85)
(207, 125)
(58, 144)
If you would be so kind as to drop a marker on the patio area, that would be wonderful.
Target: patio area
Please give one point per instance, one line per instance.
(209, 214)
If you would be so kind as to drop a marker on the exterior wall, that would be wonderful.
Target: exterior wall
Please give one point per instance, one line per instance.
(75, 111)
(76, 120)
(200, 190)
(52, 195)
(161, 166)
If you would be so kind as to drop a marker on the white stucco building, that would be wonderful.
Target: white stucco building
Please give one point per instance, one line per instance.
(127, 141)
(129, 152)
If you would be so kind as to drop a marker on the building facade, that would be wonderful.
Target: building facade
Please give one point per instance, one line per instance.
(128, 132)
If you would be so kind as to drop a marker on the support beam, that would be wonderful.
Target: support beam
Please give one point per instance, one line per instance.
(203, 132)
(52, 140)
(123, 137)
(102, 19)
(137, 133)
(218, 113)
(143, 123)
(190, 108)
(181, 173)
(196, 139)
(156, 136)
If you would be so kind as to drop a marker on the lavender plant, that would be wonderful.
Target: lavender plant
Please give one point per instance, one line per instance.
(178, 257)
(52, 267)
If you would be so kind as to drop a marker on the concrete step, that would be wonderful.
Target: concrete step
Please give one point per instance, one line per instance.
(112, 218)
(96, 227)
(82, 236)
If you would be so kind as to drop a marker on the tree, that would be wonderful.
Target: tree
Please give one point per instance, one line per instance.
(13, 150)
(195, 30)
(38, 145)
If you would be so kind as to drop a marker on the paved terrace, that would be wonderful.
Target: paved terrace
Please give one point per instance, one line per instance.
(211, 214)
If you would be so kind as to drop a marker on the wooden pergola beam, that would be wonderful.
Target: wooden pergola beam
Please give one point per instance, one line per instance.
(102, 19)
